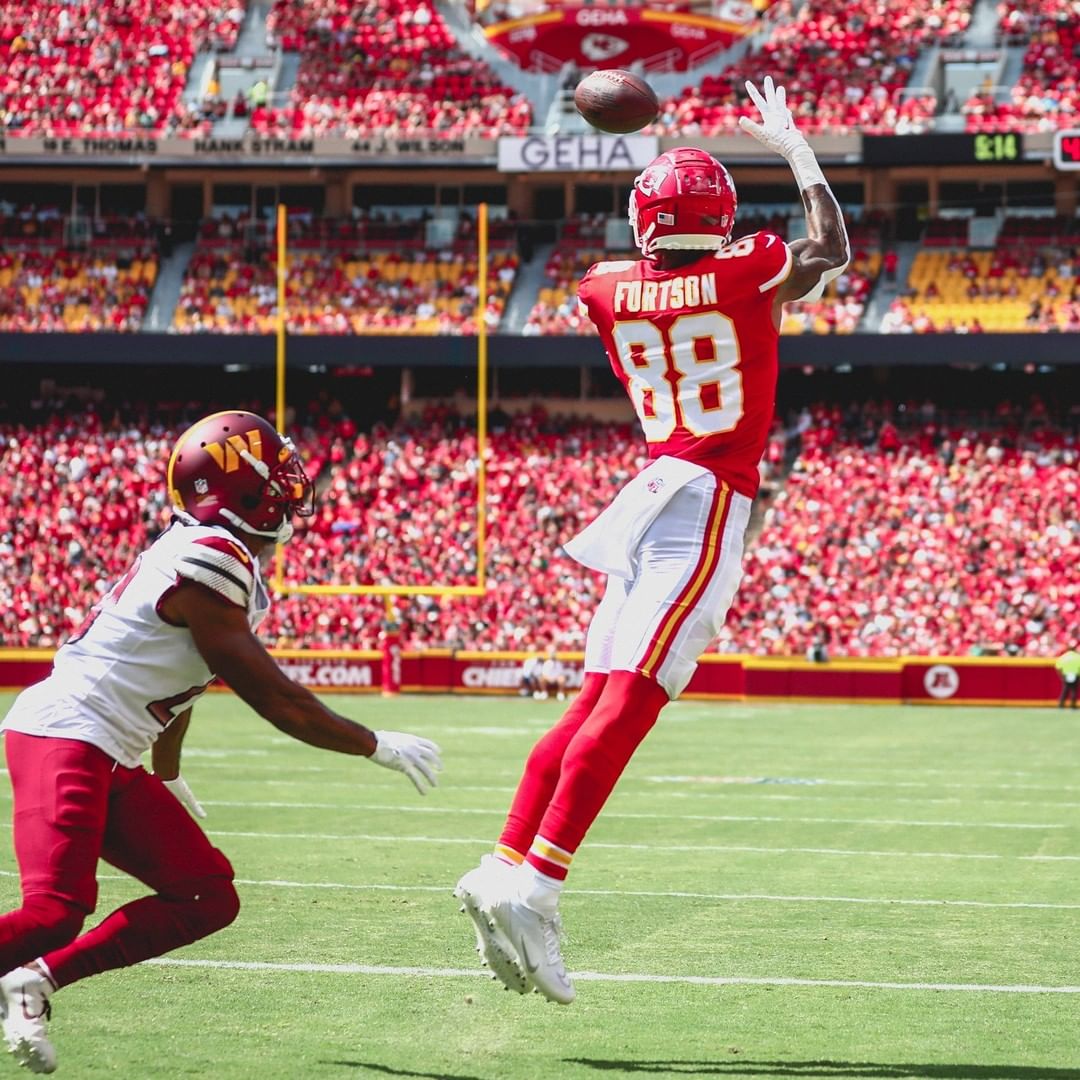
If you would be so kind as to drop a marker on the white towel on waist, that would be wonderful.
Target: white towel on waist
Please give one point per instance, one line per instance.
(609, 544)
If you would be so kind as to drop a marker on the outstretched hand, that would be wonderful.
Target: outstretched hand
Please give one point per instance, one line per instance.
(777, 129)
(417, 758)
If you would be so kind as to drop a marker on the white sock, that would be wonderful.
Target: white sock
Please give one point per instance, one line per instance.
(40, 964)
(538, 891)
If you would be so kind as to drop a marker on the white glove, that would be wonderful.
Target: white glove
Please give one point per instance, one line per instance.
(777, 129)
(417, 758)
(778, 132)
(185, 796)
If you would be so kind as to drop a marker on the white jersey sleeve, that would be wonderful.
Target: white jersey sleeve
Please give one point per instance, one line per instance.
(221, 565)
(127, 673)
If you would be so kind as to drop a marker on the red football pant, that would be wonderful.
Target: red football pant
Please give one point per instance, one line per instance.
(574, 767)
(541, 775)
(73, 803)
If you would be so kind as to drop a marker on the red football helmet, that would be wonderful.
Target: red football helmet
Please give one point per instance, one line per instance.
(684, 200)
(234, 469)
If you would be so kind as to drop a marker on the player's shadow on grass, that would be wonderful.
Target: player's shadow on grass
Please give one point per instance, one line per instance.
(388, 1070)
(874, 1070)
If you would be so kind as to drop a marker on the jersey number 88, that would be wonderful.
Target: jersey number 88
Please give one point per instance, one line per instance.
(694, 382)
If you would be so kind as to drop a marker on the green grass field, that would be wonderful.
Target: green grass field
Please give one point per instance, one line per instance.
(861, 892)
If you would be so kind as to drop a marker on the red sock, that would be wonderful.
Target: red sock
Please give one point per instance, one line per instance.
(592, 765)
(537, 783)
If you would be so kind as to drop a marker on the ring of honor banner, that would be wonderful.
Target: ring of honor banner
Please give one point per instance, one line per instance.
(596, 37)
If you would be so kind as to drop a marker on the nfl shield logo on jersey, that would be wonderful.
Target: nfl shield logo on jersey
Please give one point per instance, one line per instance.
(655, 485)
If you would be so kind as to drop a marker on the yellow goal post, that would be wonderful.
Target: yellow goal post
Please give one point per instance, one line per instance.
(479, 586)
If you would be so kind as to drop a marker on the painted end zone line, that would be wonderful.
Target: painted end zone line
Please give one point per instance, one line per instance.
(598, 976)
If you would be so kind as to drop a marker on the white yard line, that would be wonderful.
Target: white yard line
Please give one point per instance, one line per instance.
(486, 842)
(777, 779)
(285, 765)
(673, 894)
(759, 791)
(598, 976)
(678, 895)
(400, 808)
(395, 839)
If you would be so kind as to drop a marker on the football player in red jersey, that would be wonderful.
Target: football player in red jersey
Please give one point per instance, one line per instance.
(691, 331)
(125, 683)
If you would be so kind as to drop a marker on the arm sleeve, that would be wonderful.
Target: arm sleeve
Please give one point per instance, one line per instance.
(221, 566)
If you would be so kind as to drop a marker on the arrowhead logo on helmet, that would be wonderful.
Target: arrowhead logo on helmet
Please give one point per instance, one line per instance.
(684, 200)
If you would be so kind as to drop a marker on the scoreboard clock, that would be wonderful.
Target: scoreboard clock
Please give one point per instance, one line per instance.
(1067, 150)
(1001, 148)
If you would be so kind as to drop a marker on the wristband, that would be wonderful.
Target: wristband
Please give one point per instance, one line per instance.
(805, 167)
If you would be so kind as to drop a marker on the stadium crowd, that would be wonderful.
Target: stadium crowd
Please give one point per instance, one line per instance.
(939, 539)
(74, 291)
(939, 534)
(1016, 287)
(845, 66)
(230, 287)
(391, 68)
(74, 275)
(106, 67)
(386, 68)
(1047, 94)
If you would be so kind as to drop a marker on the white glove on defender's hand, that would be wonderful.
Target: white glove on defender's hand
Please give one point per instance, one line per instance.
(417, 758)
(185, 796)
(777, 129)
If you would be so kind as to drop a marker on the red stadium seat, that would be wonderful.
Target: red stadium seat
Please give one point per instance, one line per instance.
(345, 277)
(386, 68)
(108, 67)
(944, 537)
(845, 66)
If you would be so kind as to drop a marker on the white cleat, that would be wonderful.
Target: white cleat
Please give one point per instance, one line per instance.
(536, 940)
(24, 1005)
(481, 891)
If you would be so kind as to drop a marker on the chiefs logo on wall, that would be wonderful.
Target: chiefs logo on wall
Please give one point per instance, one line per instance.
(599, 48)
(593, 36)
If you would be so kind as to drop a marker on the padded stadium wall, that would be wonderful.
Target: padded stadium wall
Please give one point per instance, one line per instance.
(923, 680)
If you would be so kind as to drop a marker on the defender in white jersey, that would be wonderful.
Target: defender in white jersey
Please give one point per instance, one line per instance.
(125, 682)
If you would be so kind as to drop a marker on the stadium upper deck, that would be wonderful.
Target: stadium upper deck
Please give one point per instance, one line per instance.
(378, 121)
(402, 67)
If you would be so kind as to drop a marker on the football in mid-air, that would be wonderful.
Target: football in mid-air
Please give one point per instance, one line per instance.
(616, 101)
